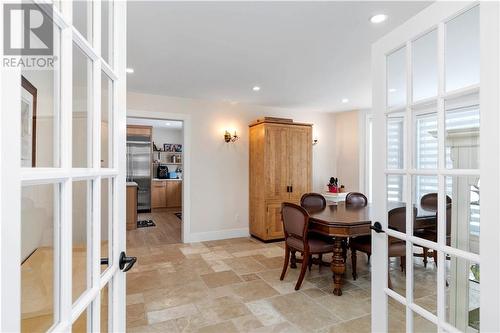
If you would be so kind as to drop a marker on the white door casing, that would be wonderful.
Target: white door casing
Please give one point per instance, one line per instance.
(435, 17)
(14, 178)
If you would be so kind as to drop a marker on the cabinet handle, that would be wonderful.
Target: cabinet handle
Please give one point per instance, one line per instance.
(291, 188)
(288, 189)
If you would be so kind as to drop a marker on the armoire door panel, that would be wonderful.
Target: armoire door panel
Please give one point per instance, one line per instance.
(276, 159)
(274, 222)
(300, 160)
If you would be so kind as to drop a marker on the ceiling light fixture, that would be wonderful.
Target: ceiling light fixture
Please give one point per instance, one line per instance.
(168, 124)
(130, 70)
(391, 90)
(379, 18)
(256, 88)
(345, 100)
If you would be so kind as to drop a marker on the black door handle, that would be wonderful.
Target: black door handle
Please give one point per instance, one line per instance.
(126, 263)
(377, 227)
(104, 261)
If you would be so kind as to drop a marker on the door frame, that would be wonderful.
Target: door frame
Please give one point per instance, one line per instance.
(13, 177)
(489, 165)
(186, 172)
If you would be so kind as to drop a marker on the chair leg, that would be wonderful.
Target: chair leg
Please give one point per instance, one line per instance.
(310, 262)
(403, 264)
(320, 258)
(426, 250)
(285, 263)
(353, 261)
(303, 269)
(435, 256)
(293, 262)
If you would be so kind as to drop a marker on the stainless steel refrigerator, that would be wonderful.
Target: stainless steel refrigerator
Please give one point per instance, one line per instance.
(139, 169)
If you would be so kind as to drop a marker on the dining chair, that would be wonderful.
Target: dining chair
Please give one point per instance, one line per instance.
(313, 201)
(297, 238)
(356, 199)
(429, 202)
(396, 247)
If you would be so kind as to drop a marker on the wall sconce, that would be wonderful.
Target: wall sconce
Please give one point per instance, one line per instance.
(315, 142)
(230, 138)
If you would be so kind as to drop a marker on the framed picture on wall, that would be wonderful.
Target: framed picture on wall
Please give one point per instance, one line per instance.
(28, 123)
(167, 147)
(177, 148)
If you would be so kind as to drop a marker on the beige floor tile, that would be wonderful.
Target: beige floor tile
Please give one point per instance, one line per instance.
(171, 313)
(284, 327)
(265, 312)
(244, 265)
(314, 292)
(358, 325)
(169, 297)
(219, 279)
(135, 298)
(250, 277)
(163, 327)
(223, 308)
(253, 290)
(226, 327)
(193, 322)
(246, 323)
(136, 315)
(345, 308)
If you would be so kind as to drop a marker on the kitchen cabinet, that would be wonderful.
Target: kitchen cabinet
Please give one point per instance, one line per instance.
(158, 194)
(131, 205)
(280, 171)
(174, 193)
(166, 193)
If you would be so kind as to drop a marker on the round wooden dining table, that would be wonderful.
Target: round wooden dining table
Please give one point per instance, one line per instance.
(342, 221)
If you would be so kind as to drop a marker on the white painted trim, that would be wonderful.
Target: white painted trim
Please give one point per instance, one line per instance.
(186, 172)
(219, 234)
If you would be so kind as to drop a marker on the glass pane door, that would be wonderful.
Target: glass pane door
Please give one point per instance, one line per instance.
(59, 186)
(429, 261)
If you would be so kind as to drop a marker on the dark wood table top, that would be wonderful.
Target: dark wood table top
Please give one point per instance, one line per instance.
(343, 215)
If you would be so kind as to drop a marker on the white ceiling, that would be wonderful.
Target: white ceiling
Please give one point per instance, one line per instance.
(307, 55)
(155, 123)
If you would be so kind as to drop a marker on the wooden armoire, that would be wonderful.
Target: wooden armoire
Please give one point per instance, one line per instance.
(280, 171)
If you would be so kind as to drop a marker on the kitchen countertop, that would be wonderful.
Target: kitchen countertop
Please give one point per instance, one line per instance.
(169, 179)
(132, 184)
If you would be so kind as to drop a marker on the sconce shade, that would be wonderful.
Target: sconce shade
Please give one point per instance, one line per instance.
(230, 138)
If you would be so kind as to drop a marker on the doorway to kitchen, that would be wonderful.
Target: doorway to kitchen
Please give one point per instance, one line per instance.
(155, 169)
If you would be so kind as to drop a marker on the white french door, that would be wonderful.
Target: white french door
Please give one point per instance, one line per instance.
(436, 136)
(62, 164)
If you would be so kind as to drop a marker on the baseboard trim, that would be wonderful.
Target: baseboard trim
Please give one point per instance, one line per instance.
(218, 235)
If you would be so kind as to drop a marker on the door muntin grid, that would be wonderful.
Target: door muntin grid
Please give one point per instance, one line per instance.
(415, 173)
(87, 302)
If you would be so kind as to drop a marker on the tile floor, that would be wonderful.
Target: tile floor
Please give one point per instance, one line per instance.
(233, 286)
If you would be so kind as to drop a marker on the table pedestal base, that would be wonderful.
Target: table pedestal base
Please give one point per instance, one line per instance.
(338, 265)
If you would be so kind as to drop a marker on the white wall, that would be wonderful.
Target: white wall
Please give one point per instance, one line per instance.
(347, 140)
(220, 171)
(167, 135)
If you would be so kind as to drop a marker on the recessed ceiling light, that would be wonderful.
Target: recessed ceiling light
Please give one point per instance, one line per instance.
(391, 90)
(130, 70)
(379, 18)
(256, 88)
(345, 100)
(168, 124)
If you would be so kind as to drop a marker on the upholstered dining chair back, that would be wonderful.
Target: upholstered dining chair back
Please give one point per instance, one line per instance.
(295, 220)
(356, 199)
(397, 220)
(429, 201)
(313, 201)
